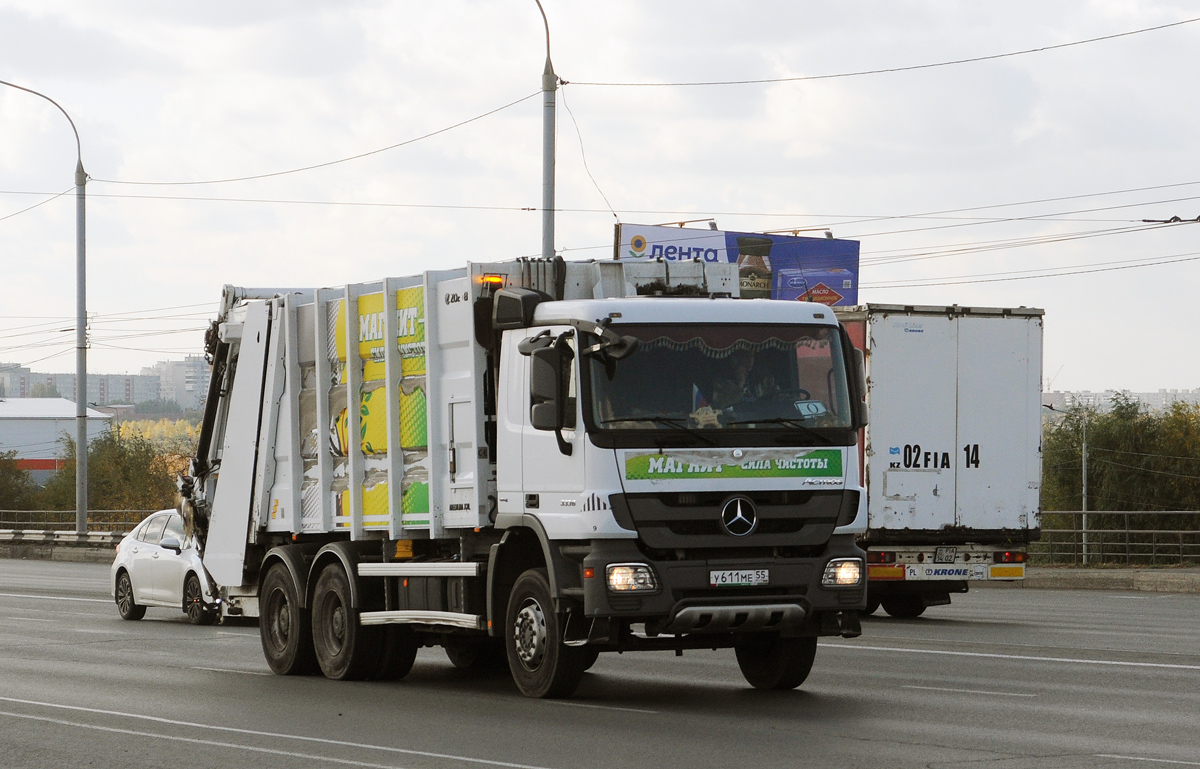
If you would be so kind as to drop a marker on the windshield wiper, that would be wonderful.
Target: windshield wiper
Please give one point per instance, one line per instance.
(787, 421)
(676, 422)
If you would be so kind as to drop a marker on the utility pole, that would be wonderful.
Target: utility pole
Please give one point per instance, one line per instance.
(1083, 451)
(549, 86)
(81, 441)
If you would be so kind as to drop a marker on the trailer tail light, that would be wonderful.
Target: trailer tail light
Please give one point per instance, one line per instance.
(880, 556)
(1011, 556)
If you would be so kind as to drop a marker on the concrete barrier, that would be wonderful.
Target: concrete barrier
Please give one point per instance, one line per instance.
(35, 544)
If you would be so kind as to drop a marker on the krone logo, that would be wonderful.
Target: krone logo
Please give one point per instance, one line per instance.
(739, 517)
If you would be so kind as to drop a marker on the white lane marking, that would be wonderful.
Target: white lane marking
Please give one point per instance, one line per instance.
(598, 707)
(1012, 657)
(55, 598)
(27, 619)
(279, 735)
(967, 691)
(230, 670)
(243, 635)
(1153, 760)
(210, 743)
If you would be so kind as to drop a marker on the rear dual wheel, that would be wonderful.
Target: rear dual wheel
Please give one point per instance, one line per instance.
(284, 627)
(904, 606)
(345, 649)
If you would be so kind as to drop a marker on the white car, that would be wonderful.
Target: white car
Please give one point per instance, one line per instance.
(158, 565)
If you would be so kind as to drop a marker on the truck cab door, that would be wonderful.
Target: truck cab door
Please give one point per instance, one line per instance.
(552, 480)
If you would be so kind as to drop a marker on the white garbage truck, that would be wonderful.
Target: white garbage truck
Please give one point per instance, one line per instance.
(529, 463)
(952, 455)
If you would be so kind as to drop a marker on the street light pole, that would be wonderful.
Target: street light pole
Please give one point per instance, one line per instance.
(81, 441)
(549, 86)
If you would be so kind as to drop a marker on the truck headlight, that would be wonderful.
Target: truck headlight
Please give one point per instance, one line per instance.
(842, 572)
(627, 577)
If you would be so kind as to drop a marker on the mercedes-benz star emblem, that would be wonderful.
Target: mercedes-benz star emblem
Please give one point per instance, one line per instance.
(739, 517)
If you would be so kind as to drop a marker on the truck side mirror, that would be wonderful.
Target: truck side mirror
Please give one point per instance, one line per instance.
(550, 408)
(860, 376)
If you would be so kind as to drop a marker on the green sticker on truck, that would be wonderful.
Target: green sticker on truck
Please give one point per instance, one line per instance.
(819, 463)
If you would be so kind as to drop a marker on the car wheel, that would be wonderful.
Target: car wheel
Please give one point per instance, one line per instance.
(346, 650)
(284, 627)
(126, 606)
(904, 606)
(776, 663)
(193, 603)
(541, 664)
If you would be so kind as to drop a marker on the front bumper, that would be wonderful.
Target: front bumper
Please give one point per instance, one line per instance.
(685, 602)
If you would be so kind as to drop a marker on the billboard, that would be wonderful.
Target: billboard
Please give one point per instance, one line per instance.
(821, 270)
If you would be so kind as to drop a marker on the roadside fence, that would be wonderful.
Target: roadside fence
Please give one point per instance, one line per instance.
(1127, 538)
(121, 521)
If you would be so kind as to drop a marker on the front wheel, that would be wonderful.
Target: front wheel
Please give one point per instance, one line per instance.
(284, 627)
(541, 664)
(193, 603)
(126, 606)
(345, 649)
(776, 663)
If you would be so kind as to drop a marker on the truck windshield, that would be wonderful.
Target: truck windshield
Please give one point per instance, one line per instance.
(722, 376)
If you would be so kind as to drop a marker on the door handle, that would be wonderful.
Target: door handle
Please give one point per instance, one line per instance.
(154, 556)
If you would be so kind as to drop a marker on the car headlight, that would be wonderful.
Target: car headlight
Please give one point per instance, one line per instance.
(842, 572)
(627, 577)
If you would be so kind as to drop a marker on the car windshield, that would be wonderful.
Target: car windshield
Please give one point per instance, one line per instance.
(723, 376)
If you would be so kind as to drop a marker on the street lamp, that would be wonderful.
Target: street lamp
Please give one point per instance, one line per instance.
(81, 441)
(1084, 455)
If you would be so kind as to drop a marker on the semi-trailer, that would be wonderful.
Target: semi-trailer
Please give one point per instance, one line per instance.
(952, 454)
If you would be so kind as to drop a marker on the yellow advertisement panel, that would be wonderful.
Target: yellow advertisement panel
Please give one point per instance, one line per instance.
(410, 333)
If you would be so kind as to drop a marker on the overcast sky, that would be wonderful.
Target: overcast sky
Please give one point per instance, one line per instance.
(174, 92)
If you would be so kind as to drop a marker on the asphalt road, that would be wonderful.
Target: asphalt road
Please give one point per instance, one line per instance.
(1013, 678)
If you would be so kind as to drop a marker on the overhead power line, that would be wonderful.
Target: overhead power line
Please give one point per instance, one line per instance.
(330, 162)
(911, 68)
(1057, 273)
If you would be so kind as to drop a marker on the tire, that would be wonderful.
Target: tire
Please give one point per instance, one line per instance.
(126, 606)
(284, 628)
(872, 606)
(346, 650)
(904, 606)
(477, 654)
(541, 664)
(590, 655)
(398, 654)
(193, 602)
(776, 663)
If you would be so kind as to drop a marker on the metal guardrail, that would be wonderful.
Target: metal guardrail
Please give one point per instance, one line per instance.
(121, 521)
(1130, 538)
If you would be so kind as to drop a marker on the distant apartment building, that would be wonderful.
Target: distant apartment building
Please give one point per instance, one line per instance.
(183, 381)
(21, 382)
(1102, 401)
